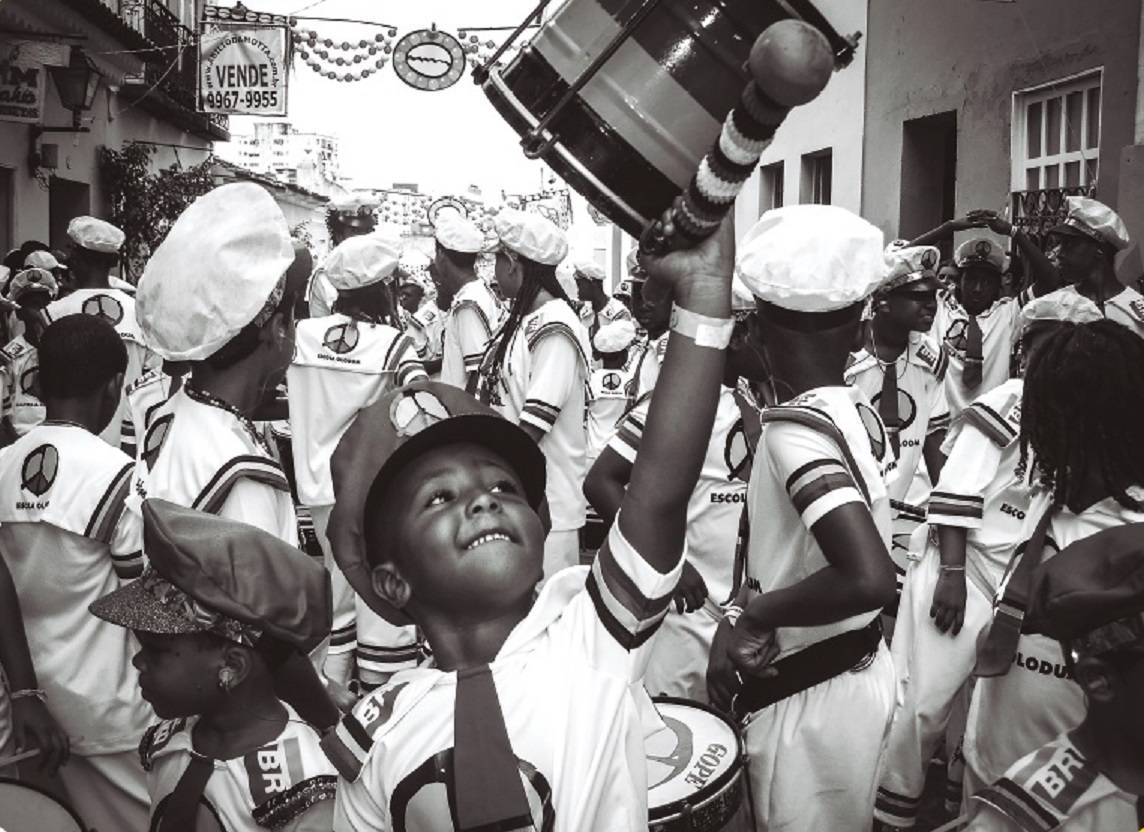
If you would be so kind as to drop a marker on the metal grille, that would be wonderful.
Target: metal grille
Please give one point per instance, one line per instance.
(1035, 212)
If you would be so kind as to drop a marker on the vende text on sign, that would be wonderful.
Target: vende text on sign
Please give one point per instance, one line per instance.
(242, 70)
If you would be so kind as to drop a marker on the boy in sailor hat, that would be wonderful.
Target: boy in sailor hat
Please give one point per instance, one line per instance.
(30, 291)
(350, 215)
(800, 656)
(530, 718)
(219, 609)
(1090, 598)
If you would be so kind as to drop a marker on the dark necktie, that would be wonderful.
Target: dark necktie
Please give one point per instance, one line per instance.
(888, 406)
(486, 777)
(996, 650)
(974, 357)
(182, 807)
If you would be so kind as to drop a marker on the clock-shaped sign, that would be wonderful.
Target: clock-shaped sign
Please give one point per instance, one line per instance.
(429, 60)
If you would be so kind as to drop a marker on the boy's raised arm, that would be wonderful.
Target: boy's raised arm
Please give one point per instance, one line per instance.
(653, 514)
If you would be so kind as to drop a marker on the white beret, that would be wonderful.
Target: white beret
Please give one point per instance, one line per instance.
(95, 235)
(589, 269)
(361, 261)
(457, 233)
(531, 235)
(1063, 305)
(1094, 220)
(811, 258)
(615, 336)
(41, 260)
(221, 263)
(909, 264)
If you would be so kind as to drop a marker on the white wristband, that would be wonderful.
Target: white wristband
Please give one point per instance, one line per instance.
(714, 333)
(732, 614)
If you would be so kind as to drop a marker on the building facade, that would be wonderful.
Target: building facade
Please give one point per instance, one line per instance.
(142, 58)
(275, 148)
(1005, 106)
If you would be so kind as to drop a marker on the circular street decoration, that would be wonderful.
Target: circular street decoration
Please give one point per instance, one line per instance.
(429, 60)
(445, 203)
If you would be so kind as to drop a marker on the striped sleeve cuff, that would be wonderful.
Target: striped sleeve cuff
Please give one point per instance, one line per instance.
(626, 441)
(630, 597)
(539, 414)
(819, 487)
(128, 567)
(938, 423)
(473, 362)
(374, 658)
(408, 371)
(962, 510)
(343, 639)
(987, 420)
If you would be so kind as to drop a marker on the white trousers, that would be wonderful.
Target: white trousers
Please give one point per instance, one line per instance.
(813, 757)
(933, 668)
(335, 656)
(108, 791)
(678, 662)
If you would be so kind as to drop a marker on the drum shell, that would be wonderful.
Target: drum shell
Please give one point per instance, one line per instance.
(633, 136)
(27, 808)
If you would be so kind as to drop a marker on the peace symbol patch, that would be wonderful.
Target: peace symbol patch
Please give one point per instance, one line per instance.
(30, 382)
(341, 339)
(929, 259)
(737, 453)
(907, 408)
(955, 335)
(983, 248)
(103, 306)
(40, 468)
(874, 429)
(612, 381)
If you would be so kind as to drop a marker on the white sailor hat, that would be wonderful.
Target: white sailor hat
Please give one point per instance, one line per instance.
(615, 336)
(909, 264)
(811, 258)
(41, 260)
(457, 233)
(531, 235)
(95, 235)
(221, 266)
(361, 261)
(588, 269)
(32, 280)
(1063, 305)
(980, 252)
(1094, 220)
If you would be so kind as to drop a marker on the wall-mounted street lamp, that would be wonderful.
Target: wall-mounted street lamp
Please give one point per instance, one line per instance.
(77, 83)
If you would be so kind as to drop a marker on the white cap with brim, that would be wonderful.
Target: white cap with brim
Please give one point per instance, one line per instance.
(1095, 220)
(457, 233)
(531, 235)
(41, 260)
(811, 258)
(222, 264)
(1062, 306)
(95, 235)
(588, 269)
(360, 262)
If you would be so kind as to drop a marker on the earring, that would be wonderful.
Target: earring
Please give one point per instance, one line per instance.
(226, 679)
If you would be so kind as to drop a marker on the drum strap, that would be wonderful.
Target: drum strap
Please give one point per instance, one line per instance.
(181, 808)
(486, 776)
(807, 668)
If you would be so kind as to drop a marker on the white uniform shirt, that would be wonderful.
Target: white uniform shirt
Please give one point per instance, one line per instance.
(648, 355)
(22, 403)
(981, 489)
(922, 407)
(117, 308)
(1037, 699)
(1125, 307)
(567, 679)
(340, 366)
(610, 393)
(717, 502)
(544, 384)
(472, 318)
(801, 474)
(268, 788)
(68, 541)
(427, 329)
(320, 294)
(997, 326)
(1053, 788)
(209, 459)
(144, 398)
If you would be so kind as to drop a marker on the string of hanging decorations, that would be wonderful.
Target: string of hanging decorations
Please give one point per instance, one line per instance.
(428, 59)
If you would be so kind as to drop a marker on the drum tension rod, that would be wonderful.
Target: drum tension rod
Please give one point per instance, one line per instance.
(481, 73)
(533, 142)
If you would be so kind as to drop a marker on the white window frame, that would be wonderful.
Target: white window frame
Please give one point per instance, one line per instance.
(1042, 93)
(770, 176)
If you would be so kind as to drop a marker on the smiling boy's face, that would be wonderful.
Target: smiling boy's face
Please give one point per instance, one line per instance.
(465, 538)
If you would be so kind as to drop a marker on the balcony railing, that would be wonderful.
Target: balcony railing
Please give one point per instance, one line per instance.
(1035, 212)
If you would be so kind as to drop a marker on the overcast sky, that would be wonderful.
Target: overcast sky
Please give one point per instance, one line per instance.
(443, 140)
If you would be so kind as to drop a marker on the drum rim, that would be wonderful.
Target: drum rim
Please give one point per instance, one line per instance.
(717, 786)
(45, 793)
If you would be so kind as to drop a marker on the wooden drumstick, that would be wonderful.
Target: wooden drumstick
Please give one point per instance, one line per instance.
(19, 756)
(791, 63)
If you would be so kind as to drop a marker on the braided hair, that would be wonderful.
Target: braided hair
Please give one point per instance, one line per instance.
(1078, 415)
(537, 276)
(373, 304)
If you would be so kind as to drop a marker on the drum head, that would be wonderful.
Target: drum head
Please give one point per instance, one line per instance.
(695, 757)
(25, 808)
